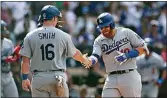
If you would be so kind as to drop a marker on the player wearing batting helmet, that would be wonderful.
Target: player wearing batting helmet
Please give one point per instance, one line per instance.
(48, 14)
(119, 47)
(47, 48)
(8, 86)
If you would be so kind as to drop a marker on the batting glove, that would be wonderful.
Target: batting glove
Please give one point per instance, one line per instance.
(121, 58)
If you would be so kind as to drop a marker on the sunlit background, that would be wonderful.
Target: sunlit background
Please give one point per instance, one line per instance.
(148, 19)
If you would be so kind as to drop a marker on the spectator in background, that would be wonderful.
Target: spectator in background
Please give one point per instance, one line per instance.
(24, 26)
(133, 7)
(155, 35)
(18, 9)
(153, 30)
(83, 91)
(70, 18)
(86, 22)
(162, 18)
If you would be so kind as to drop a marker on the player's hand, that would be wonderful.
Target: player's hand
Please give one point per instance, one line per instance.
(121, 58)
(87, 63)
(26, 85)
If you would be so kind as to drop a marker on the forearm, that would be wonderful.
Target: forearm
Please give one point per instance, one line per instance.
(78, 56)
(136, 52)
(25, 66)
(164, 74)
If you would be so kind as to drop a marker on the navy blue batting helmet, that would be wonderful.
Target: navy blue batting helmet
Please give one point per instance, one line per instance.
(3, 26)
(105, 19)
(48, 12)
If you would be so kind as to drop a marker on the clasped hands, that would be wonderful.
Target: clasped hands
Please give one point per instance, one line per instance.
(87, 63)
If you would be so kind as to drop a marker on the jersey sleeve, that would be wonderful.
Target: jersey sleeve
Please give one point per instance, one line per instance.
(26, 49)
(71, 49)
(96, 48)
(135, 39)
(11, 48)
(160, 62)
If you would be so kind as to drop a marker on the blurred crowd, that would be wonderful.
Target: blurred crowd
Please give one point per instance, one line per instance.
(148, 19)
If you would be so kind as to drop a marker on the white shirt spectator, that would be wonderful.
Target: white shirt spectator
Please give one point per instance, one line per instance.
(18, 9)
(70, 17)
(88, 23)
(162, 20)
(133, 15)
(19, 28)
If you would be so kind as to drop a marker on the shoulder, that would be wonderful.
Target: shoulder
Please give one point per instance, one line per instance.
(7, 40)
(62, 33)
(33, 32)
(123, 30)
(157, 56)
(100, 38)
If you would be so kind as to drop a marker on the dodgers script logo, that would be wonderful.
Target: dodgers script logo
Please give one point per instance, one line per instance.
(115, 45)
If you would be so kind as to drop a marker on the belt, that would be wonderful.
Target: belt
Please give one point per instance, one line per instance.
(145, 82)
(5, 71)
(62, 70)
(121, 71)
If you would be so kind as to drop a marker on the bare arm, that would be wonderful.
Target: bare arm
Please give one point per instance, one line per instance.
(78, 56)
(25, 65)
(82, 58)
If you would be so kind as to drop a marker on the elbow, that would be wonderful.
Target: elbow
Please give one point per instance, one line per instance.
(143, 50)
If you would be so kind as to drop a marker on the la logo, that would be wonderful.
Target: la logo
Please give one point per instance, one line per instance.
(44, 15)
(100, 21)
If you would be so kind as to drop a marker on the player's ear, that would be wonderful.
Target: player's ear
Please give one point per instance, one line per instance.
(55, 18)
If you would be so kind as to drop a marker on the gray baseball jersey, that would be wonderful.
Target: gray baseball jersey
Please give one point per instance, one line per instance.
(48, 48)
(6, 50)
(8, 86)
(149, 68)
(123, 41)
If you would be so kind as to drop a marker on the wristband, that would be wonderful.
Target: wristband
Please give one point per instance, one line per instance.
(131, 54)
(160, 81)
(24, 76)
(93, 59)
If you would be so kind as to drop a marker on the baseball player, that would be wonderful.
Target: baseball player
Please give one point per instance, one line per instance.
(44, 52)
(8, 86)
(149, 67)
(119, 48)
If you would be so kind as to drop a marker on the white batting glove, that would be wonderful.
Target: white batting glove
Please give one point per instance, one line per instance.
(121, 58)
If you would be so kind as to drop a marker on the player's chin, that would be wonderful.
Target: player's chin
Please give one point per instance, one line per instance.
(107, 34)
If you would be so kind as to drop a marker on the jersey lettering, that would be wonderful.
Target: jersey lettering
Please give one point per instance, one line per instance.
(115, 45)
(47, 35)
(46, 53)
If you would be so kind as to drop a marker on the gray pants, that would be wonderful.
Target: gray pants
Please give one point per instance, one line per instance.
(8, 86)
(149, 90)
(126, 85)
(43, 84)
